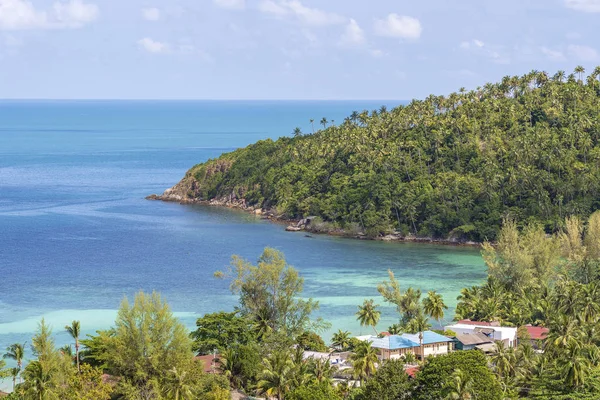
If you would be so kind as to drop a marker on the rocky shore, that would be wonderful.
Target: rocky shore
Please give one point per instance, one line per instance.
(186, 190)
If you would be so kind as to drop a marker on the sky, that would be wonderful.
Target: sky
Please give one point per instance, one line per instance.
(285, 49)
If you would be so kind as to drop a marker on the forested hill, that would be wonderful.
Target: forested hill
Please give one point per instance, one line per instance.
(527, 147)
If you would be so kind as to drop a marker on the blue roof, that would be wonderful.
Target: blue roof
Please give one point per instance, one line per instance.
(407, 341)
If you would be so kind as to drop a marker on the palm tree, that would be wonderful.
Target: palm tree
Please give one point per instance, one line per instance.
(324, 122)
(297, 131)
(180, 385)
(14, 373)
(312, 123)
(229, 367)
(573, 366)
(395, 329)
(368, 315)
(75, 330)
(363, 360)
(39, 380)
(419, 324)
(503, 360)
(275, 379)
(341, 340)
(16, 352)
(459, 387)
(434, 306)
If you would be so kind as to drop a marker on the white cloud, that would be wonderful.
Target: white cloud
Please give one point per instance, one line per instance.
(583, 53)
(75, 13)
(353, 34)
(294, 8)
(591, 6)
(555, 55)
(22, 14)
(377, 53)
(151, 14)
(399, 26)
(231, 4)
(475, 43)
(495, 53)
(271, 7)
(153, 46)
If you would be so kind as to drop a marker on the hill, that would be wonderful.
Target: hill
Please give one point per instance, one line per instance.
(527, 148)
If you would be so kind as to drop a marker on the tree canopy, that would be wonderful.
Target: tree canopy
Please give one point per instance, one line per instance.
(447, 166)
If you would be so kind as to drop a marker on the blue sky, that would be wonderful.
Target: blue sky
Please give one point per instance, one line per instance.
(284, 49)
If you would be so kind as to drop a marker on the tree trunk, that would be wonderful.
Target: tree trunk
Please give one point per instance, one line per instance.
(77, 355)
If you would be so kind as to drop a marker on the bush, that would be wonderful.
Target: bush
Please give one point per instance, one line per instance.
(438, 370)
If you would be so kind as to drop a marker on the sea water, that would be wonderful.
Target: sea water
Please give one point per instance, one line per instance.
(77, 235)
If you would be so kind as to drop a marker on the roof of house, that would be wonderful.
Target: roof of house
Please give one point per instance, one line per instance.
(480, 323)
(486, 347)
(469, 339)
(508, 330)
(406, 341)
(537, 332)
(210, 362)
(412, 371)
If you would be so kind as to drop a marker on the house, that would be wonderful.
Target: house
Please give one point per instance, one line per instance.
(396, 346)
(337, 358)
(470, 341)
(492, 330)
(536, 334)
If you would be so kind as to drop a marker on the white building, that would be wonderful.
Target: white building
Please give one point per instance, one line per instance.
(505, 334)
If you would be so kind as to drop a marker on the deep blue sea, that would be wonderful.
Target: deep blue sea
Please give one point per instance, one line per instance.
(77, 235)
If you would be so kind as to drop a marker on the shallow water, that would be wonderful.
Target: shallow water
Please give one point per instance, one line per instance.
(76, 234)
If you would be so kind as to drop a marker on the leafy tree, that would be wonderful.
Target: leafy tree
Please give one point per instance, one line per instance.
(96, 348)
(270, 293)
(218, 331)
(438, 370)
(390, 382)
(459, 387)
(317, 391)
(148, 341)
(311, 341)
(87, 384)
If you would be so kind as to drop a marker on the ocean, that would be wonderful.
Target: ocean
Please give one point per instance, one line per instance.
(77, 235)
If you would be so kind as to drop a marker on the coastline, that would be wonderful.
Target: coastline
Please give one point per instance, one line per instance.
(300, 225)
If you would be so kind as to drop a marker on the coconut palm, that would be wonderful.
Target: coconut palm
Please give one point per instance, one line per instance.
(458, 387)
(275, 379)
(16, 352)
(574, 366)
(297, 131)
(324, 122)
(434, 306)
(14, 373)
(312, 123)
(230, 368)
(39, 381)
(341, 340)
(419, 324)
(75, 330)
(364, 360)
(503, 360)
(368, 315)
(180, 385)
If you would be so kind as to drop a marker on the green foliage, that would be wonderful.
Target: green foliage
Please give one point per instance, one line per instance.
(148, 341)
(96, 348)
(270, 295)
(87, 385)
(219, 331)
(438, 371)
(445, 166)
(315, 391)
(311, 341)
(390, 382)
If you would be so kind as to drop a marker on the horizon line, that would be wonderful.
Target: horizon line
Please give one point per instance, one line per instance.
(184, 99)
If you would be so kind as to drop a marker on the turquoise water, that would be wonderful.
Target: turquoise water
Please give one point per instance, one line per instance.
(76, 234)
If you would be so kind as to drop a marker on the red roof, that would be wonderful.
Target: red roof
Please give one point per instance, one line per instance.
(411, 371)
(209, 363)
(385, 334)
(537, 332)
(482, 323)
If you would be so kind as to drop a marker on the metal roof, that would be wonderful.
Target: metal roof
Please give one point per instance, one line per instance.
(407, 341)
